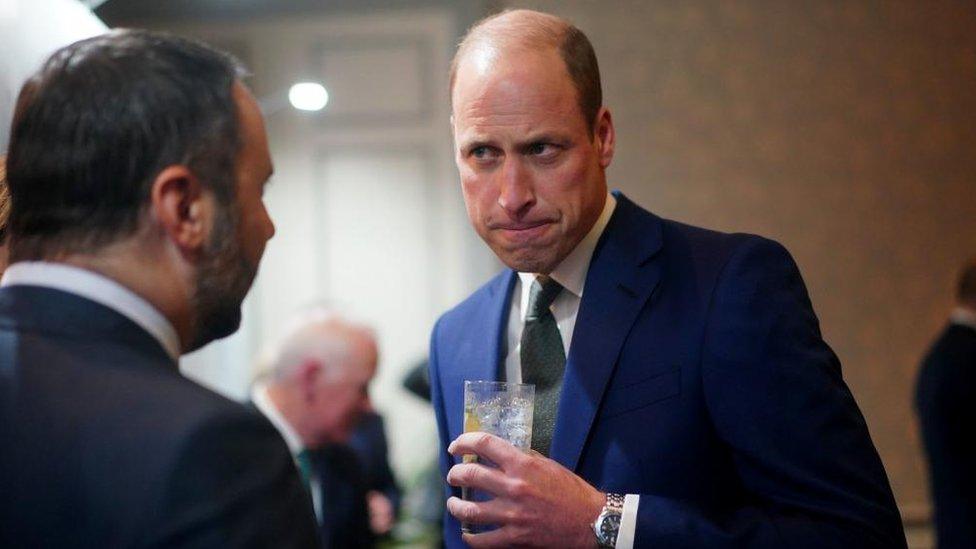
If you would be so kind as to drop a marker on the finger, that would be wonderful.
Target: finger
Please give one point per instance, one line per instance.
(476, 475)
(501, 537)
(486, 445)
(479, 512)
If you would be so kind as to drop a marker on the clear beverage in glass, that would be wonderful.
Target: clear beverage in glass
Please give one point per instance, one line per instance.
(503, 409)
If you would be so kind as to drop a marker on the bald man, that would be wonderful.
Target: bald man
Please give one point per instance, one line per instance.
(684, 395)
(315, 394)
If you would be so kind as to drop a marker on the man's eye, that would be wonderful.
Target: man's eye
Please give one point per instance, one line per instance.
(544, 150)
(480, 152)
(484, 154)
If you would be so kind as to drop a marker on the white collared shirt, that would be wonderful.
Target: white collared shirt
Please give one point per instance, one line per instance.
(963, 317)
(100, 289)
(262, 400)
(571, 275)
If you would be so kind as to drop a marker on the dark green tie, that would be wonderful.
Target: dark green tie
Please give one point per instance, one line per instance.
(304, 462)
(543, 360)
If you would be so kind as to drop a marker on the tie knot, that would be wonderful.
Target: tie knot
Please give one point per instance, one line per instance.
(541, 295)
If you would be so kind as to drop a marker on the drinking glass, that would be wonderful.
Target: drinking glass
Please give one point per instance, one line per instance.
(503, 409)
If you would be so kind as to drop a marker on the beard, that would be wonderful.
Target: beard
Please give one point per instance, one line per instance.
(222, 281)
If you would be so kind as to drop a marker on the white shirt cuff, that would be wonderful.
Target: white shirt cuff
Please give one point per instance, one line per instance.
(628, 523)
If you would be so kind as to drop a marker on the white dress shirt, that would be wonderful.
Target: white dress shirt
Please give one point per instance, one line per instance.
(100, 289)
(963, 317)
(571, 275)
(263, 402)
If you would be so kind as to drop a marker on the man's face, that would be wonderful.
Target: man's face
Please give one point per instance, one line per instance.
(341, 401)
(239, 234)
(532, 173)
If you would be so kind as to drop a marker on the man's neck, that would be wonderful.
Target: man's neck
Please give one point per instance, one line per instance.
(142, 272)
(288, 405)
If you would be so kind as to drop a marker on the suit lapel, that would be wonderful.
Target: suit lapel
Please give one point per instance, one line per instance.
(622, 276)
(480, 356)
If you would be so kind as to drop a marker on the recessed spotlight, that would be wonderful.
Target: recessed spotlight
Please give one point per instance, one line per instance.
(308, 96)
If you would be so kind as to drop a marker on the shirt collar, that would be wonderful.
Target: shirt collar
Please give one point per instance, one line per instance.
(99, 289)
(571, 271)
(261, 399)
(963, 316)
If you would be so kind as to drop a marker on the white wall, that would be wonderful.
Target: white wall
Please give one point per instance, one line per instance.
(30, 31)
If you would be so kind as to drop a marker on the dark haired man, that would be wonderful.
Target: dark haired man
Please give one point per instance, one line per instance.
(684, 396)
(945, 398)
(136, 168)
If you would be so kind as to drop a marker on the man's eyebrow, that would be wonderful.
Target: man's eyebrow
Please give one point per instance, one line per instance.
(546, 137)
(475, 142)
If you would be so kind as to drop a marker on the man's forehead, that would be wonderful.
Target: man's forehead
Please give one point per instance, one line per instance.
(524, 93)
(253, 133)
(490, 58)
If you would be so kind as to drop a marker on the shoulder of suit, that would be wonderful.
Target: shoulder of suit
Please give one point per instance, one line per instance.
(708, 246)
(678, 234)
(172, 405)
(478, 299)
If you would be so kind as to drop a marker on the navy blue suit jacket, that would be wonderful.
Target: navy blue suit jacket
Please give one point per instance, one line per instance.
(368, 440)
(344, 517)
(697, 378)
(104, 444)
(946, 401)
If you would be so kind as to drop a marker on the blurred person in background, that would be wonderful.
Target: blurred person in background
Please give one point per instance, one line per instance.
(369, 442)
(684, 396)
(136, 168)
(945, 399)
(315, 391)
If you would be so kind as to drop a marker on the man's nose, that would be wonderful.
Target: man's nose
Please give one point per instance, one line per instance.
(269, 229)
(515, 194)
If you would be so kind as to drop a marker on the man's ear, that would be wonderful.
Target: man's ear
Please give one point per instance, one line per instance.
(308, 375)
(606, 136)
(182, 207)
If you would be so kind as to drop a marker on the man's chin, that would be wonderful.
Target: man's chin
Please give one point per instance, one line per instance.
(216, 326)
(528, 263)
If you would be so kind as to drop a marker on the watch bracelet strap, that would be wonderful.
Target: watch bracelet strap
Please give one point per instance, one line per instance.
(615, 502)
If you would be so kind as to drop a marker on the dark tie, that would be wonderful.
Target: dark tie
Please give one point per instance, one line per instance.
(543, 360)
(304, 462)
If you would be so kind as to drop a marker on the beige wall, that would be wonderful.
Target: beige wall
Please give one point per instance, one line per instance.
(846, 130)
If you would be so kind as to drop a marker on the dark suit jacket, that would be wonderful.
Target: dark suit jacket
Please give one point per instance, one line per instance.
(344, 516)
(369, 442)
(104, 444)
(697, 378)
(946, 402)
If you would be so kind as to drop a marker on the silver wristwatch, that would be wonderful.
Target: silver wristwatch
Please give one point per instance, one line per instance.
(607, 525)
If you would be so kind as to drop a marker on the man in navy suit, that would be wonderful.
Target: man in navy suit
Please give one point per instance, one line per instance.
(136, 166)
(945, 399)
(684, 395)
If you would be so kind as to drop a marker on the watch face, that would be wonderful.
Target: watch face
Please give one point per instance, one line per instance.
(609, 527)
